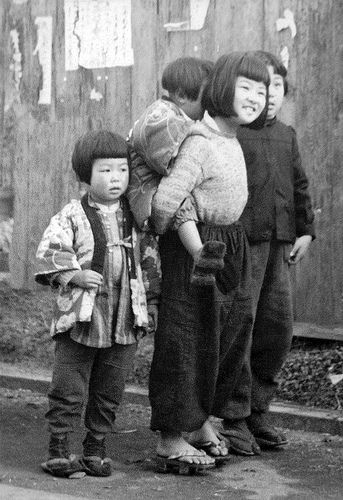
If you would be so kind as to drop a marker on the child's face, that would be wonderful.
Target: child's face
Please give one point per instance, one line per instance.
(249, 100)
(109, 180)
(276, 93)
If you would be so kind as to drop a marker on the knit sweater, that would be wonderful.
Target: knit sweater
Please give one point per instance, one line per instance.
(209, 169)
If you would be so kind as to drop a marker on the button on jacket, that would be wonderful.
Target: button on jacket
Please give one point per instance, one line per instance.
(279, 205)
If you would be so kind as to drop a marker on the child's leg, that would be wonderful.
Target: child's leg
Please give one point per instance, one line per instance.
(106, 389)
(66, 396)
(272, 334)
(273, 326)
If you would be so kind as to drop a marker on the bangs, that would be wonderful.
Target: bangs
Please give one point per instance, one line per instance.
(254, 69)
(108, 145)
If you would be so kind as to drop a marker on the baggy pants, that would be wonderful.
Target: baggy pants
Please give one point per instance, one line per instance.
(203, 337)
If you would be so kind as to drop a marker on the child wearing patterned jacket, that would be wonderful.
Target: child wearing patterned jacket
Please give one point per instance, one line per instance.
(107, 273)
(154, 143)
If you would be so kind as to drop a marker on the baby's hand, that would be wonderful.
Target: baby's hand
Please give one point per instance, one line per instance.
(87, 279)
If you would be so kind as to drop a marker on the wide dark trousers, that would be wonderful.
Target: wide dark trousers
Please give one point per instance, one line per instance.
(203, 337)
(87, 376)
(273, 326)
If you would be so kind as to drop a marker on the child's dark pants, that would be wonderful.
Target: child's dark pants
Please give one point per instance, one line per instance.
(82, 373)
(273, 326)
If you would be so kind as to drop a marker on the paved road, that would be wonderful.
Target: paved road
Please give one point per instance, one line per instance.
(311, 467)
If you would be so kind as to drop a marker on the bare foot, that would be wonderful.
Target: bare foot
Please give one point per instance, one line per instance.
(207, 434)
(175, 446)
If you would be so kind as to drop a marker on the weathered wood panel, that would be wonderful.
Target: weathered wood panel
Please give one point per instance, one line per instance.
(318, 118)
(37, 140)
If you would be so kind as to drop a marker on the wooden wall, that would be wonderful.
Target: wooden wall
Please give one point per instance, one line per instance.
(37, 140)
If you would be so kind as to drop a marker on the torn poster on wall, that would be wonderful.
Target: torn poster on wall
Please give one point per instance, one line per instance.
(97, 34)
(197, 15)
(43, 49)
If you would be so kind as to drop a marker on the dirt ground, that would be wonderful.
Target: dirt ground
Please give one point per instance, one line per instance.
(311, 467)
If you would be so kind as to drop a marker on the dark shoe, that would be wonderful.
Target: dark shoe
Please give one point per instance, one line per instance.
(94, 457)
(265, 434)
(209, 260)
(239, 438)
(61, 462)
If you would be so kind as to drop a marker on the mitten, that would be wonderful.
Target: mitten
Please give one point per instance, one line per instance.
(207, 262)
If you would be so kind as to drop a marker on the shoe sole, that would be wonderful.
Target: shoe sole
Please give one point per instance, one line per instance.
(269, 445)
(175, 466)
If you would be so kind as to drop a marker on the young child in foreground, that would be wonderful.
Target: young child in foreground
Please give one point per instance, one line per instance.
(154, 143)
(108, 279)
(278, 221)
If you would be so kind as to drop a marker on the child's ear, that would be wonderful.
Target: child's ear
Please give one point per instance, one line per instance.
(180, 97)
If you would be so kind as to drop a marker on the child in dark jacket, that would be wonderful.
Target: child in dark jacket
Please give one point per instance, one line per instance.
(107, 274)
(278, 220)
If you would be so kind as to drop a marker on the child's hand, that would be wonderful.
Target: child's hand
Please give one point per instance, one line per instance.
(299, 249)
(153, 317)
(87, 279)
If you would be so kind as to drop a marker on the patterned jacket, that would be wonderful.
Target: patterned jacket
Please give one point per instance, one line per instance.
(154, 142)
(68, 245)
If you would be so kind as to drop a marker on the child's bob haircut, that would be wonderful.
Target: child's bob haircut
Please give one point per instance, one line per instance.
(219, 92)
(270, 60)
(93, 145)
(186, 76)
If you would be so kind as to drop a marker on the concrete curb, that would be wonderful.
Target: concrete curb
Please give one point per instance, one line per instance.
(282, 415)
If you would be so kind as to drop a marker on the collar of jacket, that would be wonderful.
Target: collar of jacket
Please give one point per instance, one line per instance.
(270, 123)
(100, 240)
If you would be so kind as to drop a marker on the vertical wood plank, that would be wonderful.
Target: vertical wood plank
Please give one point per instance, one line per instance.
(319, 277)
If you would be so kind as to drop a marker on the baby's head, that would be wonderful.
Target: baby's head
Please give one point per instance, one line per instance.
(184, 79)
(237, 88)
(100, 159)
(278, 87)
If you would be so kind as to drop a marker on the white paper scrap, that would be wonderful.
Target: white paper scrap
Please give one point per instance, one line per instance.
(97, 34)
(287, 22)
(44, 49)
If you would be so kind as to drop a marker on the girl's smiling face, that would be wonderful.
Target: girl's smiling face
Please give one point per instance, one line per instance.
(109, 180)
(249, 101)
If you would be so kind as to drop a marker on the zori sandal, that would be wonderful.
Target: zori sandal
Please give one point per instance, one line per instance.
(179, 466)
(266, 435)
(208, 446)
(239, 438)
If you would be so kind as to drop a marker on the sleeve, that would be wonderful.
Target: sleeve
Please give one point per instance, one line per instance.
(55, 254)
(142, 187)
(186, 174)
(304, 215)
(151, 266)
(185, 212)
